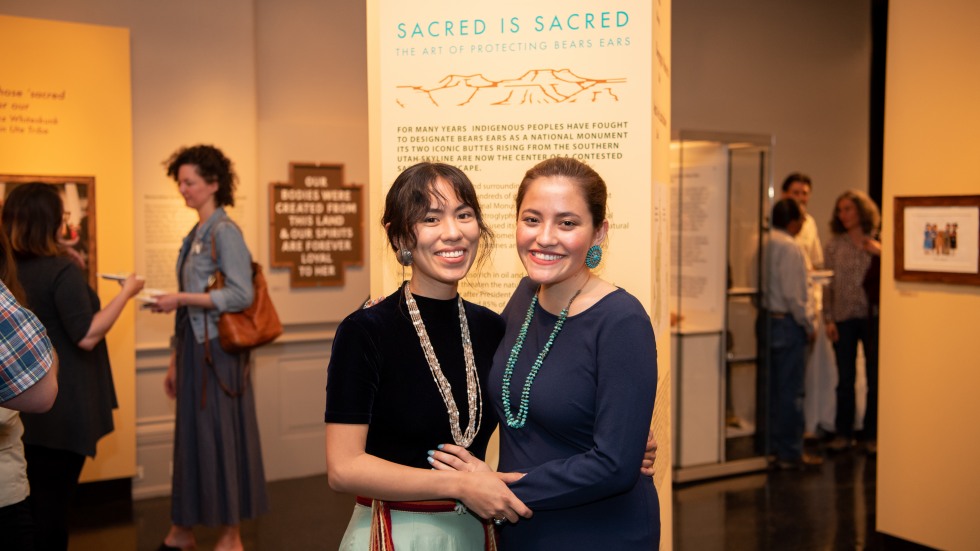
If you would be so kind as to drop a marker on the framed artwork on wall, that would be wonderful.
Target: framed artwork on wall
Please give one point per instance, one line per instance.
(77, 234)
(937, 239)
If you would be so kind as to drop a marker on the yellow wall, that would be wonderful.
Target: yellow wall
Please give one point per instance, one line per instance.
(660, 262)
(928, 473)
(92, 136)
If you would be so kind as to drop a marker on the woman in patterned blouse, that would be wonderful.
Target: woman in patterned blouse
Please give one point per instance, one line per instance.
(850, 314)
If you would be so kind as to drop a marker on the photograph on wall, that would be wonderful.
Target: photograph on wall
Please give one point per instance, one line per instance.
(77, 232)
(937, 238)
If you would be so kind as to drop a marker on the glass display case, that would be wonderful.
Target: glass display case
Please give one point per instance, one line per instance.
(722, 192)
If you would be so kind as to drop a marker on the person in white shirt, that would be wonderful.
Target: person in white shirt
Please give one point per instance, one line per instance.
(791, 325)
(820, 403)
(798, 186)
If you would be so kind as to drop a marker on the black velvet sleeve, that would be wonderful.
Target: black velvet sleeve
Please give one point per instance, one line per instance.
(352, 374)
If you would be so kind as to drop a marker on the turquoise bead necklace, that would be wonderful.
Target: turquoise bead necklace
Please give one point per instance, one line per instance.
(518, 421)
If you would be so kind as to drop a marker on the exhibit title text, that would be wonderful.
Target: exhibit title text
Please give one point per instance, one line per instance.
(575, 21)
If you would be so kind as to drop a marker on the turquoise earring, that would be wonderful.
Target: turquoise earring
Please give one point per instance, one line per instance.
(593, 257)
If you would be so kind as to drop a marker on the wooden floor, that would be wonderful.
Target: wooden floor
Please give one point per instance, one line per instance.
(305, 515)
(826, 509)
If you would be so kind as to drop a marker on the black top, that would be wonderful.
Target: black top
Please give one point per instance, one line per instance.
(82, 413)
(378, 375)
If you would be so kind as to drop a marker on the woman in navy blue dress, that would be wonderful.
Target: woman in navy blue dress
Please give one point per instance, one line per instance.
(574, 378)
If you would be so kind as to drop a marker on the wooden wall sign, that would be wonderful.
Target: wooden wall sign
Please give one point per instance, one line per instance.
(317, 225)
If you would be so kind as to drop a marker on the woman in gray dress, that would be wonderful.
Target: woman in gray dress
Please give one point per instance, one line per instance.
(218, 478)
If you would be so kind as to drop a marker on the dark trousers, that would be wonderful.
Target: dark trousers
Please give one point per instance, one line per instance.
(787, 365)
(53, 475)
(17, 527)
(850, 332)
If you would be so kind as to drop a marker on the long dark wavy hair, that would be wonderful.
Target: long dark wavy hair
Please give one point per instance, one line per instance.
(32, 217)
(867, 211)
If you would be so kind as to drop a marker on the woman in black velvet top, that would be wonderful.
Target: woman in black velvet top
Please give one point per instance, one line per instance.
(407, 374)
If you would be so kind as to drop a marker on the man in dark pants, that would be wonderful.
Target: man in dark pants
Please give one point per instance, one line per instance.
(790, 307)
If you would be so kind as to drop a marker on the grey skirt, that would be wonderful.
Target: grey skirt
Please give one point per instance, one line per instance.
(218, 477)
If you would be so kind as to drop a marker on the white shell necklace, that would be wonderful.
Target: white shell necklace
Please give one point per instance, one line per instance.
(473, 392)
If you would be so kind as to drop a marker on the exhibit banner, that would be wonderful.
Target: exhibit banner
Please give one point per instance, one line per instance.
(699, 237)
(66, 119)
(495, 88)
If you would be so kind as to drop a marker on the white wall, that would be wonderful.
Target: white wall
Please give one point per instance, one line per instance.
(311, 60)
(798, 71)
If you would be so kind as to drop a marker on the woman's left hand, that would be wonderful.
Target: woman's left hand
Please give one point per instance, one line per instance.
(132, 285)
(649, 456)
(165, 303)
(872, 245)
(450, 457)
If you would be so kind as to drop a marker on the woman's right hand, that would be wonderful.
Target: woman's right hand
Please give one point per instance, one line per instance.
(170, 381)
(486, 494)
(485, 490)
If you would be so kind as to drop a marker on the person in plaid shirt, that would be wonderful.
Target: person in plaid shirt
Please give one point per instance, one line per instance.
(28, 382)
(26, 356)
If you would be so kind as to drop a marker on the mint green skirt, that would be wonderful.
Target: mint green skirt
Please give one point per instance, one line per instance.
(412, 531)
